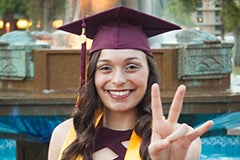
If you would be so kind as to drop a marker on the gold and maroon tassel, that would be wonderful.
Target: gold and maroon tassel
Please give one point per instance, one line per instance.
(84, 61)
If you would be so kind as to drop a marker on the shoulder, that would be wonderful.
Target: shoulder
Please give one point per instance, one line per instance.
(63, 127)
(57, 139)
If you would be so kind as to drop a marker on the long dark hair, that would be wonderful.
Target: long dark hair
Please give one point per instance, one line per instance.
(90, 103)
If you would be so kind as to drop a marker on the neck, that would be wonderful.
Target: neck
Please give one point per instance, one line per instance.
(119, 120)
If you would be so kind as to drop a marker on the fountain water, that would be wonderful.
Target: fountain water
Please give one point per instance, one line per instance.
(223, 121)
(219, 145)
(226, 121)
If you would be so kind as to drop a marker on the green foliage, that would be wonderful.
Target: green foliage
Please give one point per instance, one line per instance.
(237, 70)
(231, 14)
(38, 11)
(14, 6)
(46, 11)
(180, 11)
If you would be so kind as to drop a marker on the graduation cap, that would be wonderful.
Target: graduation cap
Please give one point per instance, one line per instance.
(117, 28)
(120, 27)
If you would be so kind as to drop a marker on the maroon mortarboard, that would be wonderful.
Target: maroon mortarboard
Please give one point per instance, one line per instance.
(118, 28)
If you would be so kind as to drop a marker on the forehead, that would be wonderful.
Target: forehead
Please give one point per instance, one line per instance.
(122, 54)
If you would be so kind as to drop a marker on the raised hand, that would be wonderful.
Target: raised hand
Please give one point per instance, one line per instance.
(171, 140)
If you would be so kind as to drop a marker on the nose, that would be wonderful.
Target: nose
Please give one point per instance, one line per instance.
(118, 77)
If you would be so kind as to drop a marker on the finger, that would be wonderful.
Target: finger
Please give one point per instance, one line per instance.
(157, 112)
(158, 149)
(176, 105)
(200, 130)
(180, 132)
(157, 146)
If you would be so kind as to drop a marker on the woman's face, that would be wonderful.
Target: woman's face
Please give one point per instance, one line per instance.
(121, 78)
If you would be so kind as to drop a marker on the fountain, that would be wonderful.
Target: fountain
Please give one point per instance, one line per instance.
(16, 55)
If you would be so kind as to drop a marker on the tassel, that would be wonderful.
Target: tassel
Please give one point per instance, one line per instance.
(83, 40)
(84, 60)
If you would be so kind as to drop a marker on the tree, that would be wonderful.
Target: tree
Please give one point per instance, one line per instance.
(44, 12)
(180, 11)
(14, 6)
(10, 12)
(231, 14)
(40, 12)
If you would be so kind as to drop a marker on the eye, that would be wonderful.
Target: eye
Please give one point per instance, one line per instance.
(105, 67)
(132, 67)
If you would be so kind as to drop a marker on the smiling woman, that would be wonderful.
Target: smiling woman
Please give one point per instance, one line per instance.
(117, 81)
(119, 112)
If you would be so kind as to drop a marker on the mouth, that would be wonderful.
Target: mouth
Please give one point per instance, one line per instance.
(119, 94)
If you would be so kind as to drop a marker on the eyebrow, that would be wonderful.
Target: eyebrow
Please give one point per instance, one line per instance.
(128, 59)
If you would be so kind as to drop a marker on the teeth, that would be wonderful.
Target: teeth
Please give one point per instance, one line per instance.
(119, 93)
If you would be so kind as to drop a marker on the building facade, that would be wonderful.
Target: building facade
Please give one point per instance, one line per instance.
(208, 17)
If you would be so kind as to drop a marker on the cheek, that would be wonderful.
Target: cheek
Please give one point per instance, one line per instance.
(99, 80)
(142, 78)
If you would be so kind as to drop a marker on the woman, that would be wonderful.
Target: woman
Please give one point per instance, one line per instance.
(119, 115)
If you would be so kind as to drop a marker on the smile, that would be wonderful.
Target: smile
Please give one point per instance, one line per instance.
(119, 94)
